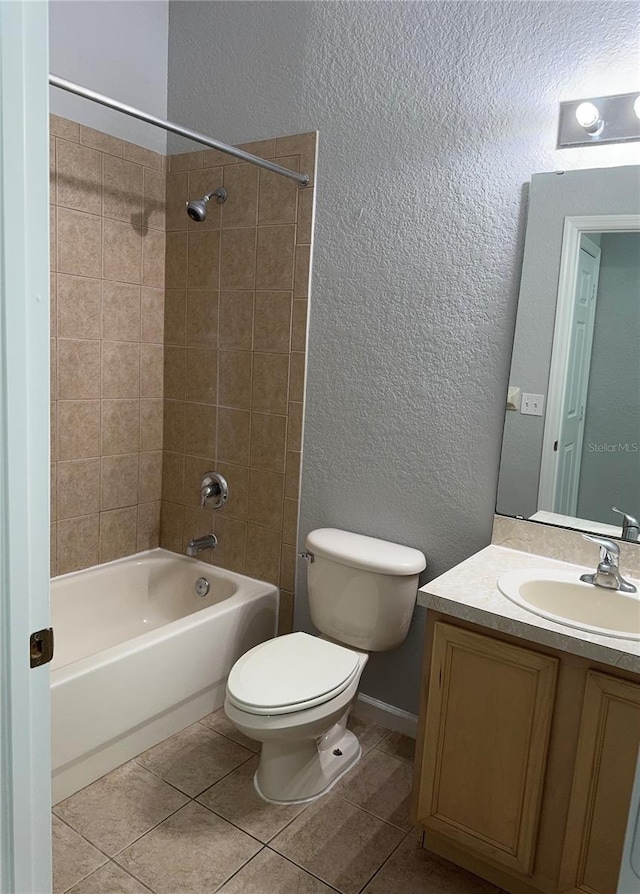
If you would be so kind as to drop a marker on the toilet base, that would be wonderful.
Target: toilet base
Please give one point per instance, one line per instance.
(299, 772)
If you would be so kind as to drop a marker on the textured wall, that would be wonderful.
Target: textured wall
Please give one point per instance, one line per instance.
(117, 48)
(432, 116)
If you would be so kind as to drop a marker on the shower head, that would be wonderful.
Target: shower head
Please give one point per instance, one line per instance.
(197, 210)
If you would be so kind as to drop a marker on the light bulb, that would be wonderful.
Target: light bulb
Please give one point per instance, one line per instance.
(588, 116)
(636, 106)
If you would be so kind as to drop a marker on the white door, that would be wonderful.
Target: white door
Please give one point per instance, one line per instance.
(569, 444)
(25, 764)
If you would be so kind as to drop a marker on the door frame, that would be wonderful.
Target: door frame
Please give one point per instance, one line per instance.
(25, 761)
(574, 227)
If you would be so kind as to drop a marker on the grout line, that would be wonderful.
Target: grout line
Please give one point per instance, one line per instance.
(379, 869)
(306, 871)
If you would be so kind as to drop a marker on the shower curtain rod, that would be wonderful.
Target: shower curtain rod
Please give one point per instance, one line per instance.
(70, 87)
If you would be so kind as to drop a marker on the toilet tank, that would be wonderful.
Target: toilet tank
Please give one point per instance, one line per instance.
(362, 591)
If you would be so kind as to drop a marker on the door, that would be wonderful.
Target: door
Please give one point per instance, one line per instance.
(25, 766)
(487, 728)
(603, 782)
(569, 444)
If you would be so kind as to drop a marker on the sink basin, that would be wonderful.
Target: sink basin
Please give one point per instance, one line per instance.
(562, 597)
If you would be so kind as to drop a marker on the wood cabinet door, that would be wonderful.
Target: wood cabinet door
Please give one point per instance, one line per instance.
(602, 784)
(488, 720)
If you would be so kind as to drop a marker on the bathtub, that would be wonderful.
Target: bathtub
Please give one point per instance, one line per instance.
(139, 655)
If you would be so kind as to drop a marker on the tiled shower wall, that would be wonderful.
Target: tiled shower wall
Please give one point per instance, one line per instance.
(107, 301)
(235, 340)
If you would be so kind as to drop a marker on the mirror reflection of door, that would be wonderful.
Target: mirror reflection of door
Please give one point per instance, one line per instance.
(576, 381)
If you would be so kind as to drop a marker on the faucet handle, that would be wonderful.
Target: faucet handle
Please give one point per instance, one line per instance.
(214, 491)
(609, 549)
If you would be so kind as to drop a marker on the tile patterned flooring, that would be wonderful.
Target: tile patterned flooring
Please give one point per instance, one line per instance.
(184, 818)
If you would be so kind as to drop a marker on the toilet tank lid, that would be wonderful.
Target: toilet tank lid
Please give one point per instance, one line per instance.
(369, 553)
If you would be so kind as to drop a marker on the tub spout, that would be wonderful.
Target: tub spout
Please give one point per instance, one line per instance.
(199, 543)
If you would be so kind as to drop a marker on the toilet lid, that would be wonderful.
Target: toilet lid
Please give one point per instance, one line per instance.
(289, 672)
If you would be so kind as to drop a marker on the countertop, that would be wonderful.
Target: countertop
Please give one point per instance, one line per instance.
(470, 591)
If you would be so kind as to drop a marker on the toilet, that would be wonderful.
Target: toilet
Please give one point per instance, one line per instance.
(293, 693)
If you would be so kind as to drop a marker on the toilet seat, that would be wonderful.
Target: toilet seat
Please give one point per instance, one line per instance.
(291, 673)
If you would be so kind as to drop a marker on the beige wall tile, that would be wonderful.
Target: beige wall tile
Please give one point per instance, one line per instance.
(202, 319)
(122, 190)
(104, 142)
(296, 376)
(53, 241)
(268, 435)
(212, 158)
(173, 477)
(305, 216)
(79, 173)
(294, 428)
(233, 436)
(118, 533)
(52, 170)
(270, 383)
(53, 493)
(53, 368)
(200, 429)
(290, 522)
(203, 260)
(78, 242)
(77, 545)
(121, 251)
(174, 425)
(174, 372)
(230, 551)
(153, 258)
(292, 475)
(299, 326)
(272, 321)
(241, 207)
(279, 196)
(120, 311)
(121, 369)
(78, 423)
(238, 481)
(235, 322)
(154, 199)
(175, 316)
(151, 370)
(266, 491)
(171, 526)
(152, 315)
(295, 144)
(176, 261)
(53, 549)
(148, 534)
(63, 127)
(234, 386)
(202, 376)
(302, 270)
(261, 148)
(176, 201)
(79, 302)
(200, 183)
(285, 613)
(53, 305)
(238, 259)
(263, 554)
(78, 369)
(275, 257)
(119, 481)
(78, 484)
(120, 432)
(53, 430)
(143, 156)
(288, 568)
(150, 477)
(151, 412)
(186, 161)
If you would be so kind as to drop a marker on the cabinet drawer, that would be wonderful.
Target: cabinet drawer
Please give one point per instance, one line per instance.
(487, 728)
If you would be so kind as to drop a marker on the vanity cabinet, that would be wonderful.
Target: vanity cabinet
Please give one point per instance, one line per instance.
(525, 760)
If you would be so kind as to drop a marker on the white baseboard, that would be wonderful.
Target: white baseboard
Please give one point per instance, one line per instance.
(387, 715)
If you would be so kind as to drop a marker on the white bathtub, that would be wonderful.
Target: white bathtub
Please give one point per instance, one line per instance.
(139, 656)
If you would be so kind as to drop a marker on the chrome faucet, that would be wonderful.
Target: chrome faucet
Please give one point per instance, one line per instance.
(607, 574)
(630, 526)
(201, 543)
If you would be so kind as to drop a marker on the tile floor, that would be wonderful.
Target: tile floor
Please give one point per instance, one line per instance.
(183, 818)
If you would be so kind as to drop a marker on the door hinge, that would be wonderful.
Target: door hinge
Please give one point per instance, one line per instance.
(41, 647)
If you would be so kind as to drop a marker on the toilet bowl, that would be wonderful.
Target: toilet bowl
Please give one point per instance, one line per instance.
(294, 693)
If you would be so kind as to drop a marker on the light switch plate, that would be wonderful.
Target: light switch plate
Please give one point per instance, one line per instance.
(532, 404)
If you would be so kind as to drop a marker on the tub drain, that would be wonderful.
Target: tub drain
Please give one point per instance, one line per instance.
(202, 586)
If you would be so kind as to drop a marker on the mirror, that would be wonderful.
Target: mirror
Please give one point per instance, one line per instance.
(571, 444)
